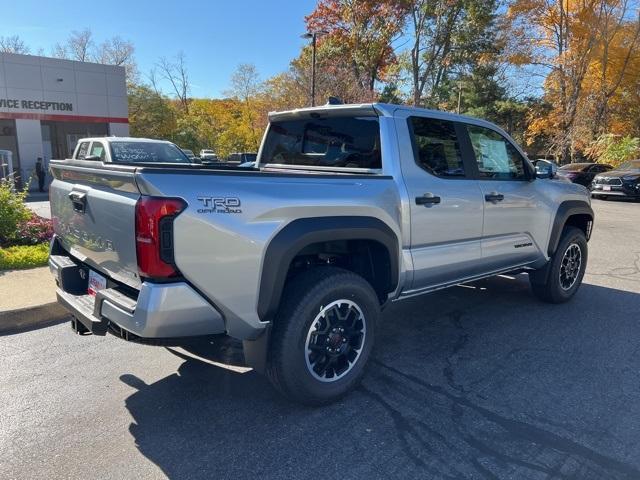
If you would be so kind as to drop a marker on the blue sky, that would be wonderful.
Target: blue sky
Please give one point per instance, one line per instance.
(216, 36)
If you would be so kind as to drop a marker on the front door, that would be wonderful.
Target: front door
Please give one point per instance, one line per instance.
(515, 214)
(446, 201)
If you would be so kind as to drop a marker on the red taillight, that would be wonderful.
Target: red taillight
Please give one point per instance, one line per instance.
(154, 235)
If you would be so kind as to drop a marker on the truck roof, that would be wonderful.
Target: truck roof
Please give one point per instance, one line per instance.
(381, 110)
(123, 139)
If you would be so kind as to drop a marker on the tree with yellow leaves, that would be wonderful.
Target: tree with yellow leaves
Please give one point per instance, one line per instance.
(585, 48)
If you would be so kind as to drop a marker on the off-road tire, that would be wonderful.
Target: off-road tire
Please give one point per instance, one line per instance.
(546, 283)
(304, 298)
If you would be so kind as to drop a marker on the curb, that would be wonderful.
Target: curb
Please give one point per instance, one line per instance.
(22, 319)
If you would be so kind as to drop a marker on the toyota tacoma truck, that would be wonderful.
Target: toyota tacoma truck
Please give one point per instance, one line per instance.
(349, 208)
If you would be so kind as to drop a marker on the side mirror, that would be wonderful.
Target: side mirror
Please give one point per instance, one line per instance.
(92, 158)
(551, 171)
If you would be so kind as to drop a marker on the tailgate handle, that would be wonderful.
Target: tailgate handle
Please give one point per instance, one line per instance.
(79, 200)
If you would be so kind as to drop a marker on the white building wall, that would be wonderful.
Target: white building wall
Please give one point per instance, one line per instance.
(93, 89)
(35, 89)
(119, 129)
(29, 136)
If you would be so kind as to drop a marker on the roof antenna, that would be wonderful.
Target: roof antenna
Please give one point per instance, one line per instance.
(334, 101)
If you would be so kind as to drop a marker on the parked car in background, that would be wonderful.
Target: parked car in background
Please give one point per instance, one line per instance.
(582, 173)
(190, 155)
(208, 155)
(143, 151)
(242, 157)
(624, 181)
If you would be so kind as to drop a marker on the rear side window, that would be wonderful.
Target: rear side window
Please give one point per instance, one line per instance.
(437, 149)
(82, 150)
(343, 142)
(141, 152)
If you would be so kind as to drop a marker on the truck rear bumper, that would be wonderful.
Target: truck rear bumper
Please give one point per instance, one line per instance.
(160, 311)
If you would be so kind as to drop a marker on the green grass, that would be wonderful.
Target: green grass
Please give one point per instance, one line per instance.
(24, 256)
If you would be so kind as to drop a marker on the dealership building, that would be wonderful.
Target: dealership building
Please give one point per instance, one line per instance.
(47, 104)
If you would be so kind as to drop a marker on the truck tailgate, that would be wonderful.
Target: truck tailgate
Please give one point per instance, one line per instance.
(94, 216)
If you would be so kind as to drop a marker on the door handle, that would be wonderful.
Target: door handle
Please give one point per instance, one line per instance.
(428, 200)
(494, 197)
(79, 200)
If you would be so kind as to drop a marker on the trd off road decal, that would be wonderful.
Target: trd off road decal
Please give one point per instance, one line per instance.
(219, 205)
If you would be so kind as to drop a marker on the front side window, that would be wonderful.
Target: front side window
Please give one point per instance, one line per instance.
(343, 142)
(141, 152)
(497, 158)
(97, 150)
(437, 149)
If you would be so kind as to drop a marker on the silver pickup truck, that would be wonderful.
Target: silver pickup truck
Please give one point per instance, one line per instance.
(349, 207)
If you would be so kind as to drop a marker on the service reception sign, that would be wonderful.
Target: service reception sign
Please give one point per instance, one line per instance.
(15, 104)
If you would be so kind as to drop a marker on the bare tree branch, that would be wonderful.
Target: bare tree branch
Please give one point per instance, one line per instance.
(175, 72)
(13, 44)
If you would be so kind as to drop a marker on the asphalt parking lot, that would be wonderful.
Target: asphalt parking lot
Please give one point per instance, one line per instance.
(479, 381)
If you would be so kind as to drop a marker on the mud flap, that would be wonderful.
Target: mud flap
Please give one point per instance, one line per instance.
(256, 351)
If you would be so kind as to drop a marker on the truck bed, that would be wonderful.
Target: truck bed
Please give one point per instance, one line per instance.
(231, 215)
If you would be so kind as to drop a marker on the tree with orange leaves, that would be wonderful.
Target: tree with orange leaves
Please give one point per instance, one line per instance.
(361, 34)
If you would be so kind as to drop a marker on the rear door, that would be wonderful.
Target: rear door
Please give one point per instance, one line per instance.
(514, 212)
(93, 206)
(446, 201)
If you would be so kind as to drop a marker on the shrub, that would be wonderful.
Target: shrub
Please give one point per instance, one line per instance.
(24, 256)
(13, 211)
(33, 231)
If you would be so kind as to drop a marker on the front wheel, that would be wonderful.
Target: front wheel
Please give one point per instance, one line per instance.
(323, 335)
(562, 277)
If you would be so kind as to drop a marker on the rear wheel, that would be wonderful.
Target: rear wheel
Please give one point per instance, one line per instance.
(323, 335)
(561, 278)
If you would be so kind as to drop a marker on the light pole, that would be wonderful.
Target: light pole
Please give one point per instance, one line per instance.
(313, 36)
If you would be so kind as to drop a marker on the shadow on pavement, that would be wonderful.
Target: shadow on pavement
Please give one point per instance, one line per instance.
(479, 381)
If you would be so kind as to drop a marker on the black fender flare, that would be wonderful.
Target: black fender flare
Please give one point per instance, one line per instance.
(567, 209)
(300, 233)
